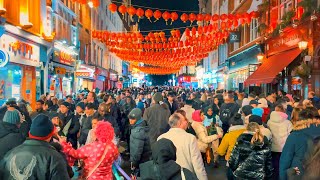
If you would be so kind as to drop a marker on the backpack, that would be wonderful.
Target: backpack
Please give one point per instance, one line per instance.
(227, 113)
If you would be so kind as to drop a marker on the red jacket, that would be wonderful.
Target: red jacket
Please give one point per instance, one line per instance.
(266, 112)
(91, 154)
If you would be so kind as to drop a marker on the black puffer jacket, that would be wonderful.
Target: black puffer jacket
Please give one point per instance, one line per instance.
(33, 159)
(73, 128)
(251, 161)
(140, 149)
(10, 137)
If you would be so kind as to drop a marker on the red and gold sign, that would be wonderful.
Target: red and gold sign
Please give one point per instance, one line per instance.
(60, 70)
(65, 57)
(83, 74)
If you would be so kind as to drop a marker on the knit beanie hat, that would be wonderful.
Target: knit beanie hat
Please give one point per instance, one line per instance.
(66, 104)
(12, 117)
(157, 97)
(41, 128)
(11, 101)
(196, 116)
(256, 119)
(81, 105)
(135, 113)
(257, 111)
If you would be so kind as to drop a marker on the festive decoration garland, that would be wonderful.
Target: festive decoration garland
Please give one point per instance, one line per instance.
(156, 70)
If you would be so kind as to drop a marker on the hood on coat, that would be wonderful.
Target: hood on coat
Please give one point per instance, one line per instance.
(236, 127)
(164, 155)
(313, 131)
(246, 137)
(7, 128)
(278, 117)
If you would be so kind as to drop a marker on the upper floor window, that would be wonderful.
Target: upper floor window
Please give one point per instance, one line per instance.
(253, 29)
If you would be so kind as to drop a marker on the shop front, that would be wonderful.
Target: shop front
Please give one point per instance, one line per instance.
(240, 66)
(84, 78)
(61, 75)
(283, 55)
(186, 81)
(18, 63)
(113, 79)
(101, 79)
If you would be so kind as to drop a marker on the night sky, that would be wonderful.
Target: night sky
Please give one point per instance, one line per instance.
(145, 25)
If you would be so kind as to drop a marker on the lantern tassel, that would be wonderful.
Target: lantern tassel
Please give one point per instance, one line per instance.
(150, 20)
(171, 22)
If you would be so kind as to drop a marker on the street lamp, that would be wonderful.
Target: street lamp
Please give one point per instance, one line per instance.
(303, 45)
(260, 57)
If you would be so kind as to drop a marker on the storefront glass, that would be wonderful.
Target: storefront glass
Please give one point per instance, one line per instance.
(10, 82)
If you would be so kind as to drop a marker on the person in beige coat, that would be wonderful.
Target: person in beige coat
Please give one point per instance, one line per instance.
(188, 153)
(204, 140)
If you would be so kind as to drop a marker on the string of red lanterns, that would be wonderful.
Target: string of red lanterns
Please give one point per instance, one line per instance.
(157, 14)
(156, 70)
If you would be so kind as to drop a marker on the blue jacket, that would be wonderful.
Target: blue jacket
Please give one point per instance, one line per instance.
(295, 149)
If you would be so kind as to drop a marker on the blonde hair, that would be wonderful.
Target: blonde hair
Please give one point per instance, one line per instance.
(258, 136)
(204, 97)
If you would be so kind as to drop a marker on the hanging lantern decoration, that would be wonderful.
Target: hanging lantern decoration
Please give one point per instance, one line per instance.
(207, 18)
(192, 17)
(166, 16)
(122, 9)
(140, 13)
(184, 17)
(96, 3)
(157, 15)
(235, 23)
(174, 16)
(223, 17)
(113, 8)
(132, 11)
(254, 14)
(230, 17)
(149, 14)
(187, 32)
(200, 18)
(215, 17)
(194, 31)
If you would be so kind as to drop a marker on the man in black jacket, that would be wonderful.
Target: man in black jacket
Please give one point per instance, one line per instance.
(86, 123)
(10, 136)
(71, 124)
(104, 113)
(35, 158)
(171, 102)
(227, 110)
(39, 109)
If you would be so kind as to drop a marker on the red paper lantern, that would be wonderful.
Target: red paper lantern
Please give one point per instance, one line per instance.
(192, 17)
(113, 8)
(207, 18)
(140, 13)
(157, 15)
(230, 17)
(96, 3)
(235, 23)
(149, 14)
(166, 16)
(200, 17)
(184, 17)
(215, 17)
(122, 9)
(132, 11)
(174, 16)
(187, 32)
(223, 17)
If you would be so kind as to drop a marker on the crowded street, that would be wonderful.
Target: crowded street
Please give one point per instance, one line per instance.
(159, 89)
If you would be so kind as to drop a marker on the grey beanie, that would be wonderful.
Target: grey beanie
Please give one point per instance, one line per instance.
(135, 113)
(12, 117)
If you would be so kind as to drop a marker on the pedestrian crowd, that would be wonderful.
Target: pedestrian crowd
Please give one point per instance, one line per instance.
(168, 133)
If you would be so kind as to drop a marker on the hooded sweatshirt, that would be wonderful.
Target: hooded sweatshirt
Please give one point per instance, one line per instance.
(280, 128)
(10, 137)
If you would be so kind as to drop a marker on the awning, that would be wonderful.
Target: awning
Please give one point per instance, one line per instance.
(271, 67)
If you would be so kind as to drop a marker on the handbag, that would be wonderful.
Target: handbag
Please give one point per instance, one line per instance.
(98, 164)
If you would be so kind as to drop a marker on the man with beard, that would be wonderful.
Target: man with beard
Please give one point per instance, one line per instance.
(104, 113)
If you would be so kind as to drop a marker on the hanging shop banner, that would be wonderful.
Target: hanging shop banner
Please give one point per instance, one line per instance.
(20, 51)
(64, 57)
(234, 37)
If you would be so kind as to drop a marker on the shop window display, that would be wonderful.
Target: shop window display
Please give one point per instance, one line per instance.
(10, 82)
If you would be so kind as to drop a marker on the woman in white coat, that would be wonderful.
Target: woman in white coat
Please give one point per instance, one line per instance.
(280, 128)
(204, 140)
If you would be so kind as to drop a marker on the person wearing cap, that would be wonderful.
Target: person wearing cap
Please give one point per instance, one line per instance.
(35, 158)
(171, 102)
(254, 103)
(157, 116)
(140, 149)
(71, 124)
(10, 136)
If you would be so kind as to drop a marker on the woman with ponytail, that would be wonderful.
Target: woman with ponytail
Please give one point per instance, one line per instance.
(251, 157)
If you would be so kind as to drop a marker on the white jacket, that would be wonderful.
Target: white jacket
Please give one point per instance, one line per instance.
(202, 134)
(188, 153)
(280, 127)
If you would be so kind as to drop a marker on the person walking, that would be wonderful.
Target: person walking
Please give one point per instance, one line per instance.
(157, 117)
(98, 156)
(35, 158)
(188, 153)
(10, 136)
(251, 156)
